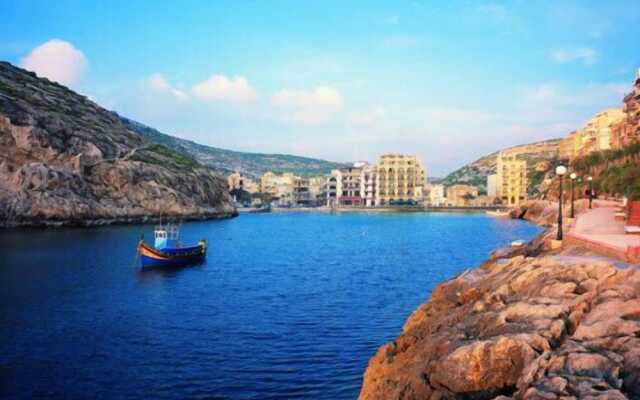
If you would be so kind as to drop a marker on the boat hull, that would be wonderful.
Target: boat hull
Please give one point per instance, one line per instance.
(178, 257)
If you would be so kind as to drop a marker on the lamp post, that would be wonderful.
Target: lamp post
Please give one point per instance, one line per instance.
(590, 179)
(560, 171)
(573, 177)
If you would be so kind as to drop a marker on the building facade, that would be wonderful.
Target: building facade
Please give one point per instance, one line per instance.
(400, 179)
(352, 184)
(602, 132)
(302, 192)
(597, 131)
(333, 188)
(437, 197)
(369, 184)
(279, 187)
(237, 181)
(461, 195)
(627, 131)
(512, 179)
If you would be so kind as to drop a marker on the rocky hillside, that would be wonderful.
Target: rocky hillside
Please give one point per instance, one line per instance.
(525, 328)
(536, 155)
(228, 161)
(66, 160)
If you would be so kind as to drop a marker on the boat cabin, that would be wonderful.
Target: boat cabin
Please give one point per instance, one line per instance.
(166, 236)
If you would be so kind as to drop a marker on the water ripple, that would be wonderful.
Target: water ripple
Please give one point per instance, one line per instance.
(286, 306)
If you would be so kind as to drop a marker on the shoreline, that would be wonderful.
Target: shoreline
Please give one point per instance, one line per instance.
(125, 220)
(324, 209)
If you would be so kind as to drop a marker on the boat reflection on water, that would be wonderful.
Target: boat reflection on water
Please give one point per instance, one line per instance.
(148, 274)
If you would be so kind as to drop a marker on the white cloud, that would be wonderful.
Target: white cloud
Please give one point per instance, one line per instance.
(585, 55)
(222, 88)
(158, 83)
(56, 60)
(313, 107)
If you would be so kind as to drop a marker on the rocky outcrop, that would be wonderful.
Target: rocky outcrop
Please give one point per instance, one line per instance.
(65, 160)
(521, 328)
(545, 212)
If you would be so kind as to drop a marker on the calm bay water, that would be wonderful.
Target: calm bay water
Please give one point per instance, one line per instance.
(286, 306)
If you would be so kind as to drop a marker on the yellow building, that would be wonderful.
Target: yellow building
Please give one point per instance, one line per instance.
(627, 131)
(596, 135)
(239, 181)
(512, 179)
(400, 178)
(461, 195)
(597, 132)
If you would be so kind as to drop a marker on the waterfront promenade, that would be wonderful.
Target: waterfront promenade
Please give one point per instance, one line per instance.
(599, 230)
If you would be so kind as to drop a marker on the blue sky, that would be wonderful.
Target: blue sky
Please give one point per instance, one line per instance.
(338, 80)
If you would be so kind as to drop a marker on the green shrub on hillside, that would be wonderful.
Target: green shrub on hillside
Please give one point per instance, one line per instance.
(623, 180)
(180, 159)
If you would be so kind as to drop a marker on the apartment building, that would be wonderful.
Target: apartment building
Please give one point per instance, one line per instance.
(351, 193)
(333, 188)
(302, 195)
(369, 184)
(597, 132)
(627, 131)
(512, 179)
(400, 179)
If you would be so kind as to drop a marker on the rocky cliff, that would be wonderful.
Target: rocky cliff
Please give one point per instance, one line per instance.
(65, 160)
(546, 327)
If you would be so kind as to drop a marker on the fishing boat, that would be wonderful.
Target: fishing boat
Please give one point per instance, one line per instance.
(167, 250)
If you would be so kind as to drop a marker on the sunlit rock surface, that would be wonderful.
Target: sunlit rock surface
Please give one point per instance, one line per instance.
(523, 328)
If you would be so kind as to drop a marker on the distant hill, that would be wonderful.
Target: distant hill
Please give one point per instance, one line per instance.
(476, 173)
(228, 161)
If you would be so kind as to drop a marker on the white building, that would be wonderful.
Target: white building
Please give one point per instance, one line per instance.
(437, 196)
(369, 185)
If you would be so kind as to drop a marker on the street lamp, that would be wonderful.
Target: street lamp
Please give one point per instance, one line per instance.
(590, 179)
(560, 171)
(573, 177)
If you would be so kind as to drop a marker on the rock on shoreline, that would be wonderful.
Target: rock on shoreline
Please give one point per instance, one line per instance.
(547, 327)
(545, 212)
(66, 161)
